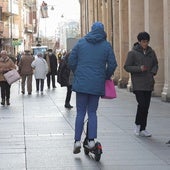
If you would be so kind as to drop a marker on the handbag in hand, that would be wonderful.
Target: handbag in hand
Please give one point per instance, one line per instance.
(12, 76)
(110, 91)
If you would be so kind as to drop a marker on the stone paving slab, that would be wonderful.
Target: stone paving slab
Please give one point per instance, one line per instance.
(12, 161)
(37, 133)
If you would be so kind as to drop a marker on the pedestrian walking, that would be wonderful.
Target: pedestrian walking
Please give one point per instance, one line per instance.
(26, 71)
(65, 78)
(18, 57)
(52, 65)
(6, 64)
(92, 61)
(142, 64)
(40, 71)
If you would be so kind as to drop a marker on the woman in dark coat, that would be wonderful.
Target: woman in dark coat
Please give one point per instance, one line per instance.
(52, 65)
(64, 78)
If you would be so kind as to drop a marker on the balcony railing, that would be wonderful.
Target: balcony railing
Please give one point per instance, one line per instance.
(28, 28)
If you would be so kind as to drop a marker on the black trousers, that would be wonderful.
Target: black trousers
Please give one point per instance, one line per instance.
(40, 84)
(49, 77)
(68, 95)
(143, 99)
(5, 90)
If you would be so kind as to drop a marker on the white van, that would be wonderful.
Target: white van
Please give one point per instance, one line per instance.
(38, 49)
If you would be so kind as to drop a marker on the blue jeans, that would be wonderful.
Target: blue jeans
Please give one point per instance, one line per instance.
(86, 103)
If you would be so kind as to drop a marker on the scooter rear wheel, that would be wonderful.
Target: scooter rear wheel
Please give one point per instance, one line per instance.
(86, 151)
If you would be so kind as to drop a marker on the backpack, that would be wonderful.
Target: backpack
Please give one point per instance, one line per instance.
(63, 73)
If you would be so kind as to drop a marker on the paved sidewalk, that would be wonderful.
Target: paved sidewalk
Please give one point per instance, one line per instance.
(36, 133)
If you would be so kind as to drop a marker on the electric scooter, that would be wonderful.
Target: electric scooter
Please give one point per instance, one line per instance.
(96, 150)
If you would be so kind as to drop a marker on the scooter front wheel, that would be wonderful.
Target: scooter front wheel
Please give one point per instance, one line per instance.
(98, 151)
(97, 157)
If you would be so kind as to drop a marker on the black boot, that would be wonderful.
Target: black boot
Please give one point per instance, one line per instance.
(7, 102)
(3, 102)
(68, 106)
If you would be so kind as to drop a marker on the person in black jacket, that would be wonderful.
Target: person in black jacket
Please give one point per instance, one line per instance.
(52, 65)
(64, 78)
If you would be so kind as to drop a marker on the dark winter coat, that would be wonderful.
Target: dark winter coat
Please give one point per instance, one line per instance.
(142, 81)
(63, 73)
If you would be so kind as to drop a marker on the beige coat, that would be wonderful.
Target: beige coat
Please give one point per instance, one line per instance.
(5, 65)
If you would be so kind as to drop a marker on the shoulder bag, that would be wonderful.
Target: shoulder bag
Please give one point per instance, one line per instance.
(12, 76)
(110, 91)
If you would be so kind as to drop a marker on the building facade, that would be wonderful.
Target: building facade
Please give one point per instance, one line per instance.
(123, 20)
(17, 25)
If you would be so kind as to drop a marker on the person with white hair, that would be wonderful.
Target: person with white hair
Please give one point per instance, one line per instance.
(6, 64)
(40, 67)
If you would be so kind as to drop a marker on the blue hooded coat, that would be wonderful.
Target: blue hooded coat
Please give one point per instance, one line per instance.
(92, 61)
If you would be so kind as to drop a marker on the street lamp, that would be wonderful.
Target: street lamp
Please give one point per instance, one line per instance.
(44, 15)
(52, 7)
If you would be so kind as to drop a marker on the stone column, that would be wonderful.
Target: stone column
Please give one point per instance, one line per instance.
(109, 21)
(124, 39)
(104, 17)
(116, 40)
(99, 10)
(91, 13)
(86, 16)
(136, 25)
(96, 10)
(154, 26)
(166, 89)
(81, 16)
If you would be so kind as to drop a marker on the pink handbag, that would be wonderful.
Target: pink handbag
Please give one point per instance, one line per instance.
(12, 76)
(110, 91)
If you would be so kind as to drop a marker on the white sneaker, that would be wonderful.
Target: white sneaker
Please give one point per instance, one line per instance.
(145, 133)
(77, 147)
(91, 144)
(137, 130)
